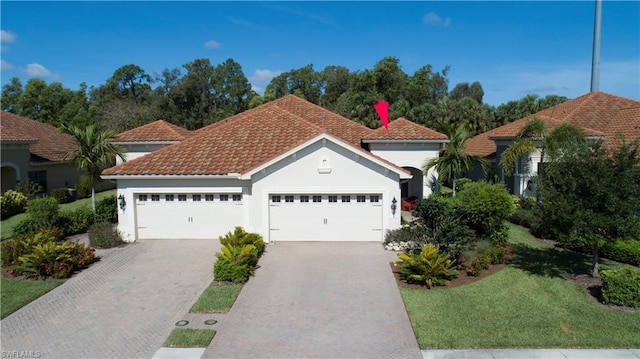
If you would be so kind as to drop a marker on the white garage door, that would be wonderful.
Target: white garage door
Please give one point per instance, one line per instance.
(187, 216)
(325, 217)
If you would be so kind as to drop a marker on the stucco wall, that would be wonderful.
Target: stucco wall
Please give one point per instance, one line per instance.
(137, 150)
(15, 156)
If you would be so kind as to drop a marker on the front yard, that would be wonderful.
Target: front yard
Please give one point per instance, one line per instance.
(529, 304)
(15, 294)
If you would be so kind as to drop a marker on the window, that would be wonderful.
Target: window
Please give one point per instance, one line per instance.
(208, 197)
(39, 177)
(182, 197)
(317, 199)
(142, 197)
(196, 197)
(275, 199)
(333, 199)
(224, 198)
(346, 199)
(288, 199)
(237, 197)
(374, 199)
(155, 197)
(361, 199)
(304, 199)
(168, 197)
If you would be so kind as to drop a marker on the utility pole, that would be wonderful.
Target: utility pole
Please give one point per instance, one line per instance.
(595, 61)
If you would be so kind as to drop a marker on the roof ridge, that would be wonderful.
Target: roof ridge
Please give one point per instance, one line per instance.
(320, 107)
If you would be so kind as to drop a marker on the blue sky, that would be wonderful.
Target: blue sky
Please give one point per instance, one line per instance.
(512, 48)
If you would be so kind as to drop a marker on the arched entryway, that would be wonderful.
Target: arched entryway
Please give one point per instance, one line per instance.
(10, 177)
(415, 186)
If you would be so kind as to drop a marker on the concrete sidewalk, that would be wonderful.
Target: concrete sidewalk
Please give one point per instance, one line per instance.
(532, 353)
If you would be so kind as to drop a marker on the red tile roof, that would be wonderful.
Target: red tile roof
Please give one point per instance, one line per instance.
(403, 129)
(52, 145)
(245, 141)
(597, 113)
(9, 135)
(157, 131)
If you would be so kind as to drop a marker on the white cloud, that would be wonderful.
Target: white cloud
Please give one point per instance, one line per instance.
(261, 78)
(212, 44)
(7, 36)
(5, 66)
(434, 19)
(37, 70)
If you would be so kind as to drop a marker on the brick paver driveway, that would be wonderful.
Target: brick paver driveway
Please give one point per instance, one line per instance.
(312, 300)
(122, 307)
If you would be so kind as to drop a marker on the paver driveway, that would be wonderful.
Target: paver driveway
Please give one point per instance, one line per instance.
(329, 300)
(122, 307)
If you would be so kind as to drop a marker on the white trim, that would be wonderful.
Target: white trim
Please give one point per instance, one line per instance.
(324, 137)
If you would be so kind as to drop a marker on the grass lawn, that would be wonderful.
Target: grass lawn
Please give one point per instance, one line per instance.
(15, 294)
(216, 299)
(526, 305)
(189, 338)
(6, 226)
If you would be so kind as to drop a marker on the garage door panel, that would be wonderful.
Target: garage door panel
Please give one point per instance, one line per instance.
(343, 219)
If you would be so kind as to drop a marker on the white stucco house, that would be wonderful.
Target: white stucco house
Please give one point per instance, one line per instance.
(289, 170)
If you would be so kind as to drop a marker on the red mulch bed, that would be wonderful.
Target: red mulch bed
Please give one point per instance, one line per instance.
(462, 279)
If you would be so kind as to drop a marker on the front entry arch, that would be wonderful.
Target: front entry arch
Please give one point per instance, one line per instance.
(10, 176)
(415, 186)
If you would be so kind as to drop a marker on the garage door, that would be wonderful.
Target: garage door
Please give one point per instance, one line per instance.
(325, 217)
(188, 216)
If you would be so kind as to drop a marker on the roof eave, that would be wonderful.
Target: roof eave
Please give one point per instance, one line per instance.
(141, 176)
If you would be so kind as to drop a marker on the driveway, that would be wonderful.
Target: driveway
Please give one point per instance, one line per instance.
(318, 299)
(124, 306)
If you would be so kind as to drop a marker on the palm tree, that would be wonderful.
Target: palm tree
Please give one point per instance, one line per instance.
(93, 153)
(455, 160)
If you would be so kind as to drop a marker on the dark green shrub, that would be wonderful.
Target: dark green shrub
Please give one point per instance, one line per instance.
(29, 189)
(627, 251)
(104, 235)
(461, 182)
(495, 255)
(523, 217)
(11, 203)
(225, 271)
(443, 222)
(621, 287)
(43, 211)
(488, 206)
(83, 189)
(107, 210)
(61, 195)
(79, 220)
(26, 227)
(429, 267)
(500, 236)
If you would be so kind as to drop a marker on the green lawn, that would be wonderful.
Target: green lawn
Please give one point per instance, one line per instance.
(15, 294)
(189, 338)
(216, 299)
(527, 305)
(6, 226)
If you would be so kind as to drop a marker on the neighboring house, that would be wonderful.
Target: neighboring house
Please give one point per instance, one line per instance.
(289, 170)
(148, 138)
(34, 150)
(601, 116)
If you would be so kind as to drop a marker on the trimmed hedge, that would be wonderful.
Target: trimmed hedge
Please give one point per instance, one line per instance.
(623, 250)
(61, 195)
(621, 287)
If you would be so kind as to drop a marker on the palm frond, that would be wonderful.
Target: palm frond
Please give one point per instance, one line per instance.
(519, 148)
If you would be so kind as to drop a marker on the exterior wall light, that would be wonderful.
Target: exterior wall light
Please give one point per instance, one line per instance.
(122, 202)
(394, 206)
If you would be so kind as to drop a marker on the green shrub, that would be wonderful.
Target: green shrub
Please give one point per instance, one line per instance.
(43, 211)
(83, 189)
(461, 182)
(627, 251)
(488, 206)
(239, 237)
(79, 220)
(500, 236)
(104, 235)
(406, 233)
(495, 255)
(29, 189)
(225, 271)
(107, 210)
(239, 254)
(621, 287)
(429, 267)
(443, 222)
(523, 217)
(61, 195)
(11, 203)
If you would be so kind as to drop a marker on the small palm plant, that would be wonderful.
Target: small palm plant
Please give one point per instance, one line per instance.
(429, 267)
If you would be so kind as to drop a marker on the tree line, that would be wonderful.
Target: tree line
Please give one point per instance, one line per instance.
(200, 93)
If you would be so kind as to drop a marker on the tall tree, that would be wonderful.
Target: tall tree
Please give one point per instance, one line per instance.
(463, 90)
(337, 81)
(455, 160)
(94, 151)
(11, 92)
(304, 81)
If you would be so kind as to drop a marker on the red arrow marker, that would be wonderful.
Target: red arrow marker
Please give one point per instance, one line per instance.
(382, 108)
